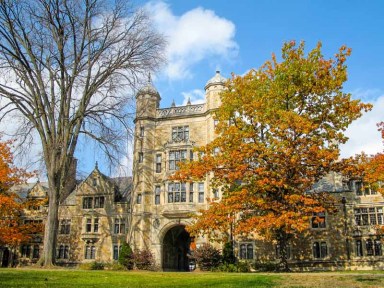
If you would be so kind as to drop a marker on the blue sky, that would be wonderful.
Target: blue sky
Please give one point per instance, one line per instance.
(235, 36)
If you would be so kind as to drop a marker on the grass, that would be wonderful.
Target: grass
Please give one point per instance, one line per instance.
(77, 278)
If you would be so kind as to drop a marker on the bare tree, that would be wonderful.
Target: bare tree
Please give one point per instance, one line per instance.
(68, 67)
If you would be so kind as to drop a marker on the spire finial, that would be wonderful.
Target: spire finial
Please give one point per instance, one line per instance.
(149, 78)
(189, 101)
(173, 103)
(96, 166)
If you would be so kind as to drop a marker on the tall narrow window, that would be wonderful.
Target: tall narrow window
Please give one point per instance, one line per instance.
(190, 192)
(243, 251)
(201, 192)
(141, 157)
(99, 202)
(60, 254)
(116, 252)
(369, 247)
(191, 155)
(93, 252)
(215, 193)
(249, 251)
(36, 251)
(157, 195)
(158, 163)
(96, 225)
(141, 131)
(358, 188)
(88, 225)
(377, 247)
(138, 199)
(359, 248)
(87, 252)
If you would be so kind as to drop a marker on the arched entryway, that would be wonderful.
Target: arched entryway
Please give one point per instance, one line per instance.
(175, 246)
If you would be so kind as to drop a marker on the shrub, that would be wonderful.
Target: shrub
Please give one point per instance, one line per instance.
(227, 268)
(97, 266)
(207, 257)
(114, 266)
(265, 266)
(228, 256)
(243, 267)
(126, 256)
(144, 259)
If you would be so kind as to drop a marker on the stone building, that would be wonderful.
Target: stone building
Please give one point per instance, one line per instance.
(93, 222)
(162, 208)
(151, 212)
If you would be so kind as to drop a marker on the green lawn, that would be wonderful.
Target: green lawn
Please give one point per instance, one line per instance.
(78, 278)
(132, 279)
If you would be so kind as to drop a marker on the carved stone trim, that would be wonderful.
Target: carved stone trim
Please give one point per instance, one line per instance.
(181, 110)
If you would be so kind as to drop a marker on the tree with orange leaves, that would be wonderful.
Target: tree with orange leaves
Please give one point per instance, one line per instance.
(13, 231)
(367, 168)
(279, 132)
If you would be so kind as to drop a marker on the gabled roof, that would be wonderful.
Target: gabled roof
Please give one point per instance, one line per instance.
(121, 187)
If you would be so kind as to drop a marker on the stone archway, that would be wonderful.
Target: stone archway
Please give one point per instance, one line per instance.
(175, 248)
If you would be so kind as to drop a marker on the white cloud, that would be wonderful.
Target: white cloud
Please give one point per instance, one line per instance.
(196, 35)
(363, 134)
(196, 96)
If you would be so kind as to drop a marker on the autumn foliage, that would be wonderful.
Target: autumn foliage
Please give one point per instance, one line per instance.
(279, 131)
(13, 230)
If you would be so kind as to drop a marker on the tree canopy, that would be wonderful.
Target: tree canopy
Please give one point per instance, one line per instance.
(13, 229)
(279, 131)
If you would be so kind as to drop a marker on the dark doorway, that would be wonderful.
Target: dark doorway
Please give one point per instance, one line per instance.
(175, 249)
(5, 260)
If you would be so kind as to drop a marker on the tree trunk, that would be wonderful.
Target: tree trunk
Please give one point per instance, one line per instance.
(51, 225)
(282, 238)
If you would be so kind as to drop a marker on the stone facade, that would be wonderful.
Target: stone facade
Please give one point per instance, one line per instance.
(93, 221)
(162, 208)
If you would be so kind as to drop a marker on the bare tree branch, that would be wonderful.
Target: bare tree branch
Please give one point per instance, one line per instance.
(67, 66)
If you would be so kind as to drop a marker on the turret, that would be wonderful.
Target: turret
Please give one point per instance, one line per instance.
(212, 90)
(147, 101)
